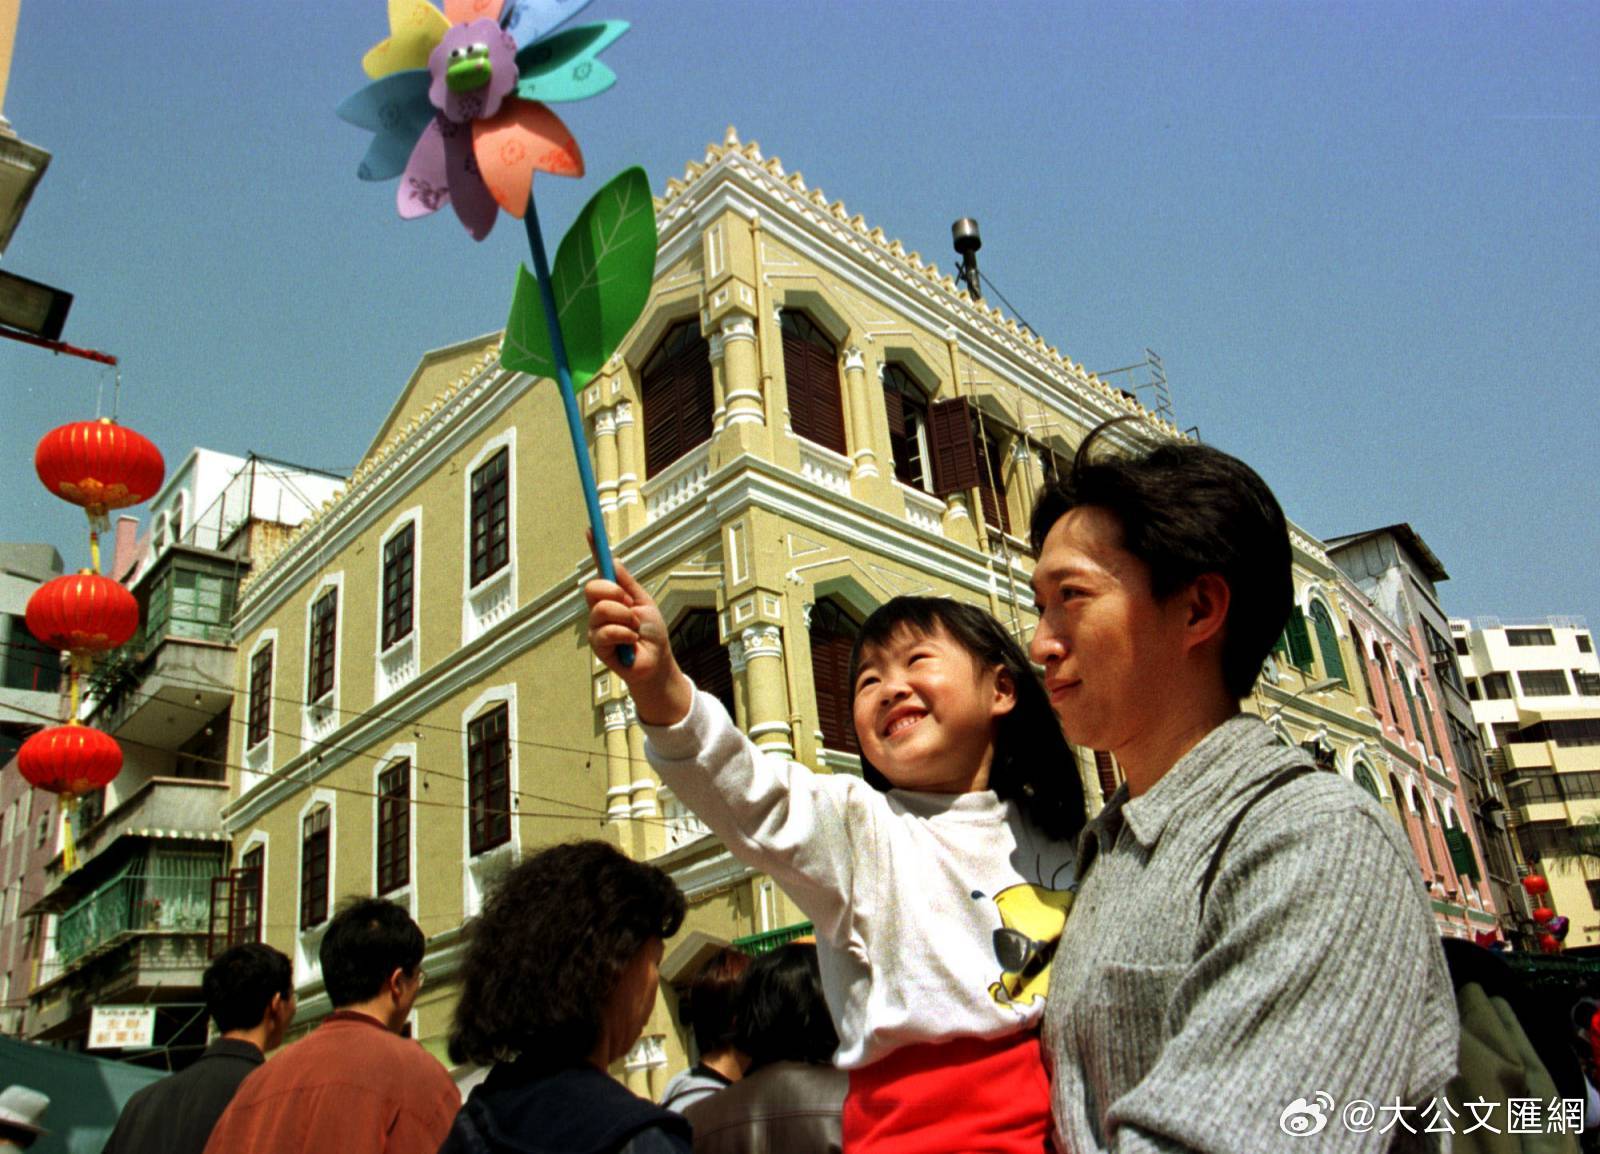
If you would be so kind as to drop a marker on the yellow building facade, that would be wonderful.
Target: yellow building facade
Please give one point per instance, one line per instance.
(806, 421)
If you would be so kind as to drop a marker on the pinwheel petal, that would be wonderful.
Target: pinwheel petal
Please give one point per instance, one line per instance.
(415, 26)
(473, 202)
(525, 136)
(528, 20)
(425, 187)
(397, 109)
(466, 11)
(566, 66)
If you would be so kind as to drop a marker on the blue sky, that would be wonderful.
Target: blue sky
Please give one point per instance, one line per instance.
(1364, 237)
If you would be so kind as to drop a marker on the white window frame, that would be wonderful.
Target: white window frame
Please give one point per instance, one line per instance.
(477, 870)
(406, 895)
(485, 605)
(308, 943)
(258, 759)
(260, 838)
(397, 665)
(321, 717)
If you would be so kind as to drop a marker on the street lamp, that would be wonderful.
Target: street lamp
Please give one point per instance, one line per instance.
(1313, 687)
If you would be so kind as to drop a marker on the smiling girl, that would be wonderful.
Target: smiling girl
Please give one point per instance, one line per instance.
(938, 903)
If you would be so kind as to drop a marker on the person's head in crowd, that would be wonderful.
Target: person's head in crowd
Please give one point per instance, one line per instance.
(22, 1116)
(946, 701)
(249, 993)
(781, 1014)
(372, 960)
(708, 1010)
(1163, 581)
(561, 966)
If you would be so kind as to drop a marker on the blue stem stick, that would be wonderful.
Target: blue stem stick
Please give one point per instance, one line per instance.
(569, 401)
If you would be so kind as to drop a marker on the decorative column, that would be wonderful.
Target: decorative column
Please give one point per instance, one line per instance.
(864, 462)
(618, 775)
(740, 373)
(628, 500)
(605, 451)
(642, 788)
(766, 701)
(1029, 474)
(958, 523)
(719, 382)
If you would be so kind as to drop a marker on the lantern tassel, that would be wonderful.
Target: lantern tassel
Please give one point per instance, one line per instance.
(69, 844)
(94, 544)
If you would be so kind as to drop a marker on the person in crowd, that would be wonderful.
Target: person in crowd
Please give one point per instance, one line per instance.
(558, 981)
(793, 1097)
(1250, 937)
(937, 904)
(708, 1010)
(353, 1085)
(21, 1117)
(249, 993)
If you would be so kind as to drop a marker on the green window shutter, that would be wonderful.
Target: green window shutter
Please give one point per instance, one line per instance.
(1411, 705)
(1328, 642)
(1461, 855)
(1365, 780)
(1299, 641)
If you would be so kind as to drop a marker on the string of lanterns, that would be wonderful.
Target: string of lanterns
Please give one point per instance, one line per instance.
(100, 466)
(1553, 927)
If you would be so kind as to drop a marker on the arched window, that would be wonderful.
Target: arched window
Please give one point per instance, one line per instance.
(1428, 738)
(1296, 641)
(833, 634)
(1328, 642)
(1411, 703)
(992, 475)
(1361, 664)
(907, 406)
(702, 656)
(1388, 684)
(676, 396)
(1363, 777)
(811, 370)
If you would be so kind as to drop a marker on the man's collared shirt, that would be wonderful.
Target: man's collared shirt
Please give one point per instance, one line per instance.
(1315, 969)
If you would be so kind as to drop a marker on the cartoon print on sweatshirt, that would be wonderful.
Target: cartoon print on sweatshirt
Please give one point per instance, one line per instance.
(1032, 918)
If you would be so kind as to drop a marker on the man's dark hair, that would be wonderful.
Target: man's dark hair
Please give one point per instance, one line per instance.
(368, 940)
(239, 983)
(708, 1001)
(782, 1015)
(1032, 760)
(544, 957)
(1188, 509)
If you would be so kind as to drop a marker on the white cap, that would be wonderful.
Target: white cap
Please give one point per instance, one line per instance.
(22, 1108)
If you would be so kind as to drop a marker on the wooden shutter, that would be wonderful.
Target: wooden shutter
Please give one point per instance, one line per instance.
(1105, 767)
(676, 397)
(811, 371)
(832, 638)
(1299, 640)
(953, 447)
(702, 656)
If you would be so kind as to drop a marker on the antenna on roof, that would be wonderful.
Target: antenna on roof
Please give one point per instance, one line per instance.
(968, 242)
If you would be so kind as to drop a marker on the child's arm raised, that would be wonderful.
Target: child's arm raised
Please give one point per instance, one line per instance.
(804, 829)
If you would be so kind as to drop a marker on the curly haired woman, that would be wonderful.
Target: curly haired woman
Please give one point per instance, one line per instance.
(558, 981)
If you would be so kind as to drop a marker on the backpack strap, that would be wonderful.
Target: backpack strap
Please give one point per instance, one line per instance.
(1278, 782)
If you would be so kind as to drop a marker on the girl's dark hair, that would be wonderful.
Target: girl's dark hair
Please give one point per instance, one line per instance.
(780, 1014)
(1033, 765)
(1188, 509)
(544, 957)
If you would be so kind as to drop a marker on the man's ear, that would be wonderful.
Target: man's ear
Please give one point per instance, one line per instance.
(1005, 692)
(1205, 604)
(396, 985)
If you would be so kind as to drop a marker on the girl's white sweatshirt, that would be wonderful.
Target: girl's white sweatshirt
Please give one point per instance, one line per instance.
(906, 890)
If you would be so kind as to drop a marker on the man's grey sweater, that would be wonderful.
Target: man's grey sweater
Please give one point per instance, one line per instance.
(1315, 968)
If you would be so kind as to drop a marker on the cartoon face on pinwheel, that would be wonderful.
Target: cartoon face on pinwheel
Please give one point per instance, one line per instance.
(458, 102)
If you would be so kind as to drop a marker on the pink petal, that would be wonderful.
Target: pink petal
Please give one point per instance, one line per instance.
(425, 184)
(466, 11)
(471, 197)
(525, 136)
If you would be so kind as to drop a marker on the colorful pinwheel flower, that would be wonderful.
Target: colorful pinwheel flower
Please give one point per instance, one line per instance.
(458, 98)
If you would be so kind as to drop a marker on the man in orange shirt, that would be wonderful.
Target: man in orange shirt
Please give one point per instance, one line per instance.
(352, 1085)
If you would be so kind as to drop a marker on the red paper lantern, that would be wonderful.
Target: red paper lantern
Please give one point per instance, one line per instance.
(70, 759)
(1543, 914)
(1535, 884)
(99, 465)
(1548, 943)
(83, 613)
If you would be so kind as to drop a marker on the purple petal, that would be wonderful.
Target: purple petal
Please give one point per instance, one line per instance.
(425, 184)
(473, 202)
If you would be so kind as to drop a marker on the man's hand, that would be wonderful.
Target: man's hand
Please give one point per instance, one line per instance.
(622, 613)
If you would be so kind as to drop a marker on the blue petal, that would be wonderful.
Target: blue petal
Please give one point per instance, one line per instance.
(527, 20)
(396, 108)
(567, 67)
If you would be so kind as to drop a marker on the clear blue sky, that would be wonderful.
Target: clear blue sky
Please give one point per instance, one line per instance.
(1364, 237)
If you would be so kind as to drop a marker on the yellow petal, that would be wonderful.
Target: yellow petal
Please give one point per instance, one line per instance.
(415, 27)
